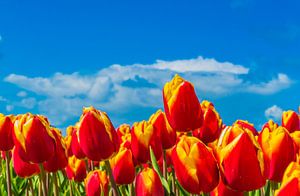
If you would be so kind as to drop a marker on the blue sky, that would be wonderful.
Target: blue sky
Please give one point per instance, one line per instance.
(58, 56)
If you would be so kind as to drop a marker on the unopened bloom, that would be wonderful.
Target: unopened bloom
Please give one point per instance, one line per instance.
(290, 120)
(96, 183)
(76, 169)
(6, 132)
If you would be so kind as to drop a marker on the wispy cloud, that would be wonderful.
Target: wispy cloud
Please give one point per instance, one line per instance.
(274, 112)
(117, 89)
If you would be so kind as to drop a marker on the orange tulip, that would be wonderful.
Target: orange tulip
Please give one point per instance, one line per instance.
(32, 136)
(76, 169)
(68, 140)
(166, 132)
(144, 136)
(195, 166)
(124, 133)
(148, 183)
(59, 161)
(6, 133)
(122, 166)
(97, 136)
(181, 105)
(291, 181)
(22, 168)
(240, 159)
(212, 124)
(279, 150)
(96, 183)
(290, 120)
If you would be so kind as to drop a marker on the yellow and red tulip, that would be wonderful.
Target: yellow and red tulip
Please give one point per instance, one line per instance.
(144, 136)
(97, 136)
(59, 161)
(6, 133)
(223, 190)
(96, 183)
(166, 132)
(240, 160)
(212, 123)
(148, 183)
(290, 120)
(247, 126)
(182, 106)
(76, 169)
(290, 184)
(123, 167)
(24, 169)
(34, 141)
(195, 166)
(279, 150)
(124, 133)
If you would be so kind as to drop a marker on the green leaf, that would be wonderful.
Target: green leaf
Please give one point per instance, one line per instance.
(181, 189)
(156, 168)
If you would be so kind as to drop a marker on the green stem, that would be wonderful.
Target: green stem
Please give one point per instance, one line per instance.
(87, 165)
(71, 187)
(43, 180)
(112, 180)
(164, 164)
(8, 180)
(54, 176)
(31, 186)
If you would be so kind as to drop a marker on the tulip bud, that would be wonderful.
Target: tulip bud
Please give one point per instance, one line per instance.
(248, 126)
(181, 105)
(240, 160)
(124, 133)
(122, 166)
(32, 136)
(6, 133)
(96, 183)
(97, 136)
(212, 124)
(195, 166)
(144, 136)
(76, 148)
(76, 169)
(279, 150)
(223, 190)
(165, 131)
(148, 183)
(22, 168)
(68, 141)
(290, 184)
(59, 161)
(270, 125)
(290, 121)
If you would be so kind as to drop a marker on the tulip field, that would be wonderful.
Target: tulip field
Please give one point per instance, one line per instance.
(185, 149)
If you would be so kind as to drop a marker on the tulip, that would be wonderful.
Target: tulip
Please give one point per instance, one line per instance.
(270, 125)
(144, 136)
(212, 124)
(6, 133)
(34, 141)
(68, 141)
(290, 121)
(248, 126)
(165, 131)
(195, 166)
(181, 105)
(296, 138)
(76, 169)
(291, 181)
(124, 133)
(76, 148)
(24, 169)
(223, 190)
(122, 166)
(59, 161)
(279, 150)
(240, 160)
(148, 183)
(97, 136)
(96, 183)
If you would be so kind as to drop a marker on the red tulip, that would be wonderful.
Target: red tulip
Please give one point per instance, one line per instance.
(144, 136)
(76, 169)
(166, 132)
(97, 136)
(6, 133)
(123, 167)
(181, 105)
(290, 120)
(247, 126)
(96, 183)
(223, 190)
(59, 161)
(124, 133)
(212, 124)
(76, 148)
(34, 141)
(148, 183)
(279, 150)
(22, 168)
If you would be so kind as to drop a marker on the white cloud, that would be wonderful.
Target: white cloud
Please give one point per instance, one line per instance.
(274, 112)
(108, 89)
(9, 108)
(3, 99)
(22, 94)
